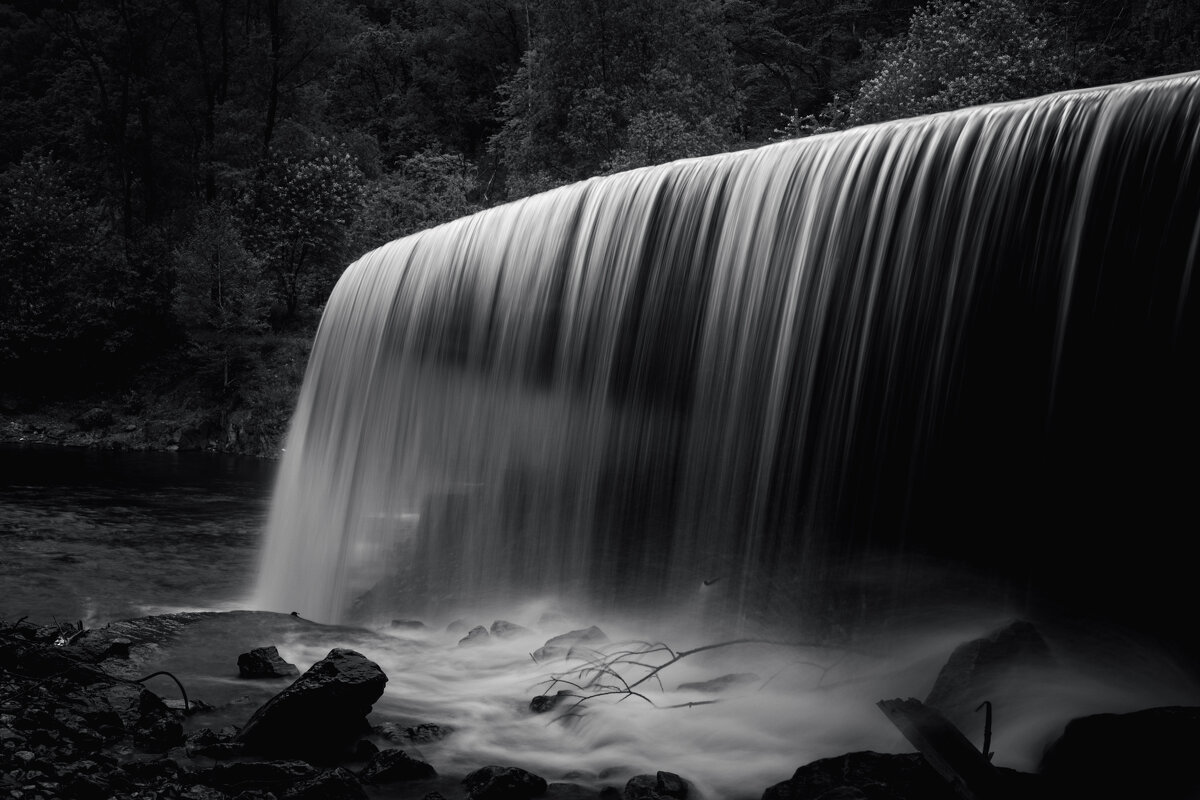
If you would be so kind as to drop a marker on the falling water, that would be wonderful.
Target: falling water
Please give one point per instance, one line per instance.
(782, 376)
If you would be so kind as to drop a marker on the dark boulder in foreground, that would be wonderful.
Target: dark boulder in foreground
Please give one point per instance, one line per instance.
(321, 713)
(503, 783)
(880, 775)
(265, 662)
(1149, 753)
(389, 766)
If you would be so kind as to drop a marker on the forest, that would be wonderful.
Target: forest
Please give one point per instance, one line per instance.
(183, 181)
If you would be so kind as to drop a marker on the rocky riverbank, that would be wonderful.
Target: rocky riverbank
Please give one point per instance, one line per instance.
(78, 721)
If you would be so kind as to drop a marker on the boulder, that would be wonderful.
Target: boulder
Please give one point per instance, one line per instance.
(391, 765)
(976, 668)
(457, 626)
(503, 629)
(503, 783)
(265, 662)
(660, 786)
(569, 791)
(94, 418)
(561, 645)
(477, 636)
(321, 713)
(408, 625)
(330, 784)
(548, 702)
(1148, 753)
(269, 776)
(717, 685)
(876, 775)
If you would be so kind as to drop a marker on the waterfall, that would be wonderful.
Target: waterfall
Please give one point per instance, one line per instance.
(786, 375)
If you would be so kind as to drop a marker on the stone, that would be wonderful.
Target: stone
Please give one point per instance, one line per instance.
(503, 783)
(503, 629)
(475, 637)
(660, 786)
(561, 645)
(877, 775)
(321, 713)
(721, 684)
(270, 776)
(265, 662)
(975, 669)
(569, 791)
(424, 733)
(409, 625)
(548, 702)
(331, 784)
(393, 764)
(458, 626)
(94, 418)
(1147, 753)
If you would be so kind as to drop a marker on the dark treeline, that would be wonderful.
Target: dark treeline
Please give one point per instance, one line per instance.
(182, 181)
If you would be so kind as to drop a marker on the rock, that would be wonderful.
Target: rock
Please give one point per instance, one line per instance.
(476, 636)
(321, 713)
(877, 775)
(975, 669)
(660, 786)
(424, 733)
(717, 685)
(409, 625)
(271, 776)
(561, 645)
(1148, 753)
(213, 744)
(569, 791)
(391, 765)
(330, 784)
(365, 750)
(503, 629)
(503, 783)
(458, 626)
(265, 662)
(94, 418)
(548, 702)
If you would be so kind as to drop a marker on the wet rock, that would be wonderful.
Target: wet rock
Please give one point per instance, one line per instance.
(423, 733)
(659, 786)
(876, 775)
(409, 625)
(1148, 753)
(721, 684)
(391, 765)
(561, 645)
(321, 713)
(548, 702)
(270, 776)
(503, 783)
(476, 636)
(265, 662)
(94, 418)
(213, 744)
(503, 629)
(330, 784)
(569, 791)
(976, 669)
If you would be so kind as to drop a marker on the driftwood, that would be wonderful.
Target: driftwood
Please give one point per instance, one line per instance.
(969, 773)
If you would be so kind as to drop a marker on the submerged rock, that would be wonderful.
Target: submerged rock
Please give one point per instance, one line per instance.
(717, 685)
(548, 702)
(321, 713)
(265, 662)
(477, 636)
(503, 783)
(561, 645)
(503, 629)
(423, 733)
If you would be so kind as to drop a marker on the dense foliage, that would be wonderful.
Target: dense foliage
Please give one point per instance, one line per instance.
(181, 181)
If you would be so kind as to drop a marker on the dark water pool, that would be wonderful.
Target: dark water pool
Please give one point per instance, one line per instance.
(99, 535)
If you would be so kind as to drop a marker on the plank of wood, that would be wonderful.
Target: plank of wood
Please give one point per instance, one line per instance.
(944, 747)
